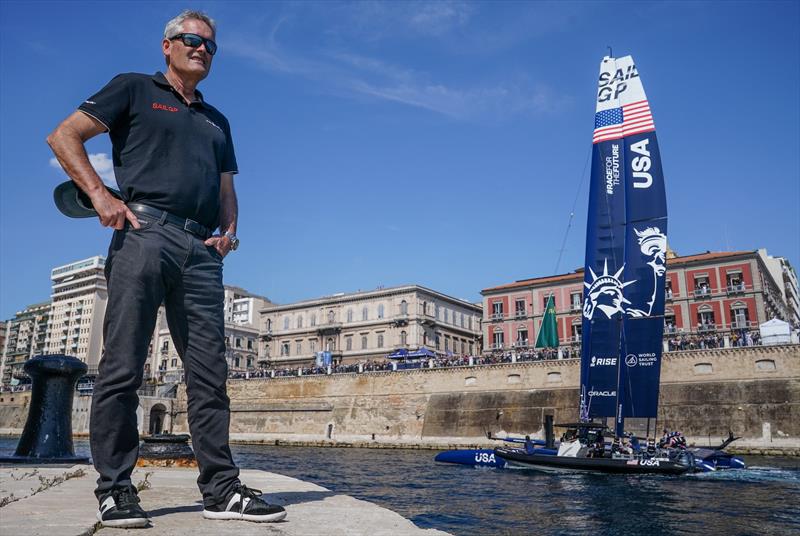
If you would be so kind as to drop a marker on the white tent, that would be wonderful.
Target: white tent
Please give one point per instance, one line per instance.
(775, 331)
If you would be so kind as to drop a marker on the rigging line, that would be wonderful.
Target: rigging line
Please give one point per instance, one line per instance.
(572, 212)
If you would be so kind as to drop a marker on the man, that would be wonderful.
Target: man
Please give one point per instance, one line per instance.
(174, 163)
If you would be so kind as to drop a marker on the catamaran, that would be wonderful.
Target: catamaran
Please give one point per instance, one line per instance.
(623, 308)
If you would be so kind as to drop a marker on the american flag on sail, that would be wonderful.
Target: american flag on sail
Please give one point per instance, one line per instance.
(617, 123)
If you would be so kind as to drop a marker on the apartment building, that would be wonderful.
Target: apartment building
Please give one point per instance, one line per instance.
(360, 326)
(24, 337)
(79, 297)
(705, 293)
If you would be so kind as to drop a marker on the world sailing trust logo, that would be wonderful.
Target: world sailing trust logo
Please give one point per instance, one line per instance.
(606, 291)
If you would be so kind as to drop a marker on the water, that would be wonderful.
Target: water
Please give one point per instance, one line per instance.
(469, 501)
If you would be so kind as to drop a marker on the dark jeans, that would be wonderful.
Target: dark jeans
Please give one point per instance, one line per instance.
(161, 263)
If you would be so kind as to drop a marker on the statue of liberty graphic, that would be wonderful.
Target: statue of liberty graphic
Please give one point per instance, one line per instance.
(606, 291)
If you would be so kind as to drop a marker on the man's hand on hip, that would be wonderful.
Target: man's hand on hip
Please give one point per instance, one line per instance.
(221, 243)
(112, 211)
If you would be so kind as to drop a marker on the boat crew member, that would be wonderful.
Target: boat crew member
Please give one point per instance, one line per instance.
(174, 163)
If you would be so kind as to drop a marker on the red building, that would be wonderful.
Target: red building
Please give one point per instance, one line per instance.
(708, 293)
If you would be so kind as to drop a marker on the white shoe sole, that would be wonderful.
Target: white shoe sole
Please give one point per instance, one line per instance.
(271, 518)
(130, 523)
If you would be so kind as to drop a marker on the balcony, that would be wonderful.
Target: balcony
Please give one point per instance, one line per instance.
(331, 328)
(400, 320)
(496, 346)
(574, 307)
(668, 294)
(496, 317)
(521, 343)
(701, 293)
(706, 328)
(670, 328)
(738, 288)
(428, 319)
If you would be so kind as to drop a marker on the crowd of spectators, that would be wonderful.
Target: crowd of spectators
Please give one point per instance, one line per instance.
(713, 340)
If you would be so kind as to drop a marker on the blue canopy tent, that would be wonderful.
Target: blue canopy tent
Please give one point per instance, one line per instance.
(400, 353)
(422, 353)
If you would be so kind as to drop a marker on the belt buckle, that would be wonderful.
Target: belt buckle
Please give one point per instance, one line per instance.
(190, 225)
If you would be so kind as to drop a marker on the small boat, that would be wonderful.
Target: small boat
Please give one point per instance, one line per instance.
(584, 449)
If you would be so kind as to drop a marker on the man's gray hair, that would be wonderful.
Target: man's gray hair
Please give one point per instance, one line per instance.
(173, 27)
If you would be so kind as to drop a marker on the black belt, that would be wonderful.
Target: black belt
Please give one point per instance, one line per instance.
(165, 217)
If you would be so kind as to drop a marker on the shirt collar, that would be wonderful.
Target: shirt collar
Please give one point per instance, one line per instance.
(162, 81)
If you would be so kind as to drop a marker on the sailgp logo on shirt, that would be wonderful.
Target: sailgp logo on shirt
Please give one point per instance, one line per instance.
(159, 106)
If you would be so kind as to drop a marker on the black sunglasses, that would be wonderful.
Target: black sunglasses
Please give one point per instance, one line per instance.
(194, 41)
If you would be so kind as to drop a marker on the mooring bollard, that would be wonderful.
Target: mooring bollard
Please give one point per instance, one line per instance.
(47, 436)
(166, 450)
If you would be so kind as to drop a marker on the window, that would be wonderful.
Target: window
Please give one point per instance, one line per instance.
(285, 349)
(299, 347)
(249, 362)
(312, 345)
(348, 341)
(286, 322)
(575, 299)
(299, 322)
(404, 307)
(734, 280)
(249, 344)
(740, 316)
(313, 319)
(705, 319)
(380, 311)
(447, 315)
(174, 362)
(471, 348)
(469, 321)
(236, 362)
(669, 322)
(165, 346)
(497, 340)
(238, 342)
(363, 342)
(462, 319)
(424, 307)
(403, 338)
(438, 341)
(269, 325)
(577, 330)
(380, 340)
(331, 317)
(163, 364)
(545, 299)
(519, 307)
(349, 315)
(447, 343)
(463, 347)
(364, 313)
(668, 290)
(701, 286)
(522, 336)
(330, 345)
(497, 309)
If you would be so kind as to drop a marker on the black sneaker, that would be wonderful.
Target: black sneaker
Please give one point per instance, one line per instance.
(120, 508)
(245, 503)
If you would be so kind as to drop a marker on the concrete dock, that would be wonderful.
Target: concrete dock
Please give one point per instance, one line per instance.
(59, 501)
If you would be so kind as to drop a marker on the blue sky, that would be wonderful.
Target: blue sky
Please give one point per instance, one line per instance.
(439, 143)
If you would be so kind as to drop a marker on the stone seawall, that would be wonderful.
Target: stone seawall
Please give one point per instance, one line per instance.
(755, 392)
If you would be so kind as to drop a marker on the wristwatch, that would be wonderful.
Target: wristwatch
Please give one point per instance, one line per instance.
(234, 241)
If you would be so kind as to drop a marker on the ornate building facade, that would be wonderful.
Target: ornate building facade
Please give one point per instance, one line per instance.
(708, 293)
(361, 326)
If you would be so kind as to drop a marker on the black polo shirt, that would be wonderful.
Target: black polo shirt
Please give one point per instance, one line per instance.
(167, 154)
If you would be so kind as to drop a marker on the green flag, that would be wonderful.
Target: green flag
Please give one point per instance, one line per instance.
(548, 333)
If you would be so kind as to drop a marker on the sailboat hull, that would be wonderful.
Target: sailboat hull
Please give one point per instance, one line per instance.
(519, 458)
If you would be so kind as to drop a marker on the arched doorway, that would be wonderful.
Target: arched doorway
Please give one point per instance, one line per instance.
(157, 414)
